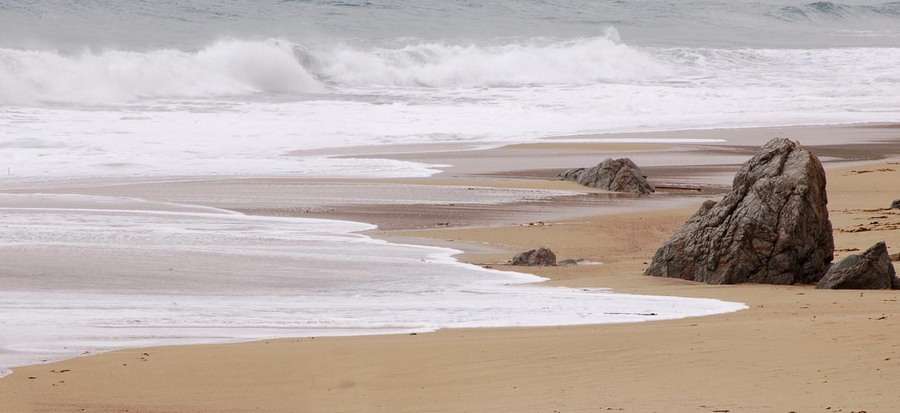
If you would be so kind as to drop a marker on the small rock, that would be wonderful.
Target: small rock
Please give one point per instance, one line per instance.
(895, 204)
(538, 257)
(617, 175)
(870, 270)
(571, 261)
(858, 229)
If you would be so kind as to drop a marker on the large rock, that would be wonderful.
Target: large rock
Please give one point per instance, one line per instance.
(540, 256)
(871, 270)
(772, 227)
(618, 175)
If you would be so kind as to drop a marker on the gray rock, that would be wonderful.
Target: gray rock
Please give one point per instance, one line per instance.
(871, 270)
(571, 261)
(538, 257)
(618, 175)
(772, 227)
(895, 204)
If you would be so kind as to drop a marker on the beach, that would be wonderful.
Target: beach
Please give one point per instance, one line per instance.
(793, 348)
(315, 206)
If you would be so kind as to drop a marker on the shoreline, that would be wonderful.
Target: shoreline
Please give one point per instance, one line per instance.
(404, 151)
(446, 253)
(662, 220)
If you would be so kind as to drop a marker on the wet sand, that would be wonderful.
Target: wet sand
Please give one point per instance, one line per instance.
(717, 147)
(795, 349)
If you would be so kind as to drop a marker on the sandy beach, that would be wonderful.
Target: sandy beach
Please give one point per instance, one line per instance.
(794, 349)
(283, 206)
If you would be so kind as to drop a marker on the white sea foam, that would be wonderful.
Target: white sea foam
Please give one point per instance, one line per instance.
(213, 277)
(439, 65)
(237, 107)
(238, 67)
(246, 67)
(221, 69)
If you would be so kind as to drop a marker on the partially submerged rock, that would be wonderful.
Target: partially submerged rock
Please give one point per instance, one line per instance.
(618, 175)
(895, 204)
(571, 261)
(772, 227)
(871, 270)
(537, 257)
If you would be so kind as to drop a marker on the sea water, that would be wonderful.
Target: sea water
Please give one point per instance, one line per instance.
(97, 278)
(128, 88)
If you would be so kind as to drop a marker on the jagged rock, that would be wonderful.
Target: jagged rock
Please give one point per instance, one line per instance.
(772, 227)
(618, 175)
(538, 257)
(871, 270)
(895, 204)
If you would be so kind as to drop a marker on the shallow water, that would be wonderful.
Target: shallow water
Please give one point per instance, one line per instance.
(94, 279)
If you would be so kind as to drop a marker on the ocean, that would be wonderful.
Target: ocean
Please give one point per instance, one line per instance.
(124, 90)
(134, 88)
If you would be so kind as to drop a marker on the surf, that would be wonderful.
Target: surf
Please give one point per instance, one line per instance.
(237, 67)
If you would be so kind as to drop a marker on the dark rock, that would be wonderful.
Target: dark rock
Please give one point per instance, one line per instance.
(618, 175)
(571, 261)
(540, 256)
(895, 204)
(871, 270)
(772, 227)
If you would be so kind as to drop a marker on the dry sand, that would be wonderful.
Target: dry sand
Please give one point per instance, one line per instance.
(795, 349)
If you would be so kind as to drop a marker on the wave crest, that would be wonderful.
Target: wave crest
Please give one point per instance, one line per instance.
(574, 62)
(224, 68)
(236, 67)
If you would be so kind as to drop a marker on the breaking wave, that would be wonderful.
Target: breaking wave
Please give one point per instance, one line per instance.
(577, 62)
(239, 67)
(223, 68)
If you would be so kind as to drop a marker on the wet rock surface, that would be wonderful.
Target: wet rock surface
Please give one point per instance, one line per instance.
(535, 257)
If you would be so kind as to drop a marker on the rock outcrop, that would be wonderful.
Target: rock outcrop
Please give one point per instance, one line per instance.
(538, 257)
(772, 227)
(618, 175)
(871, 270)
